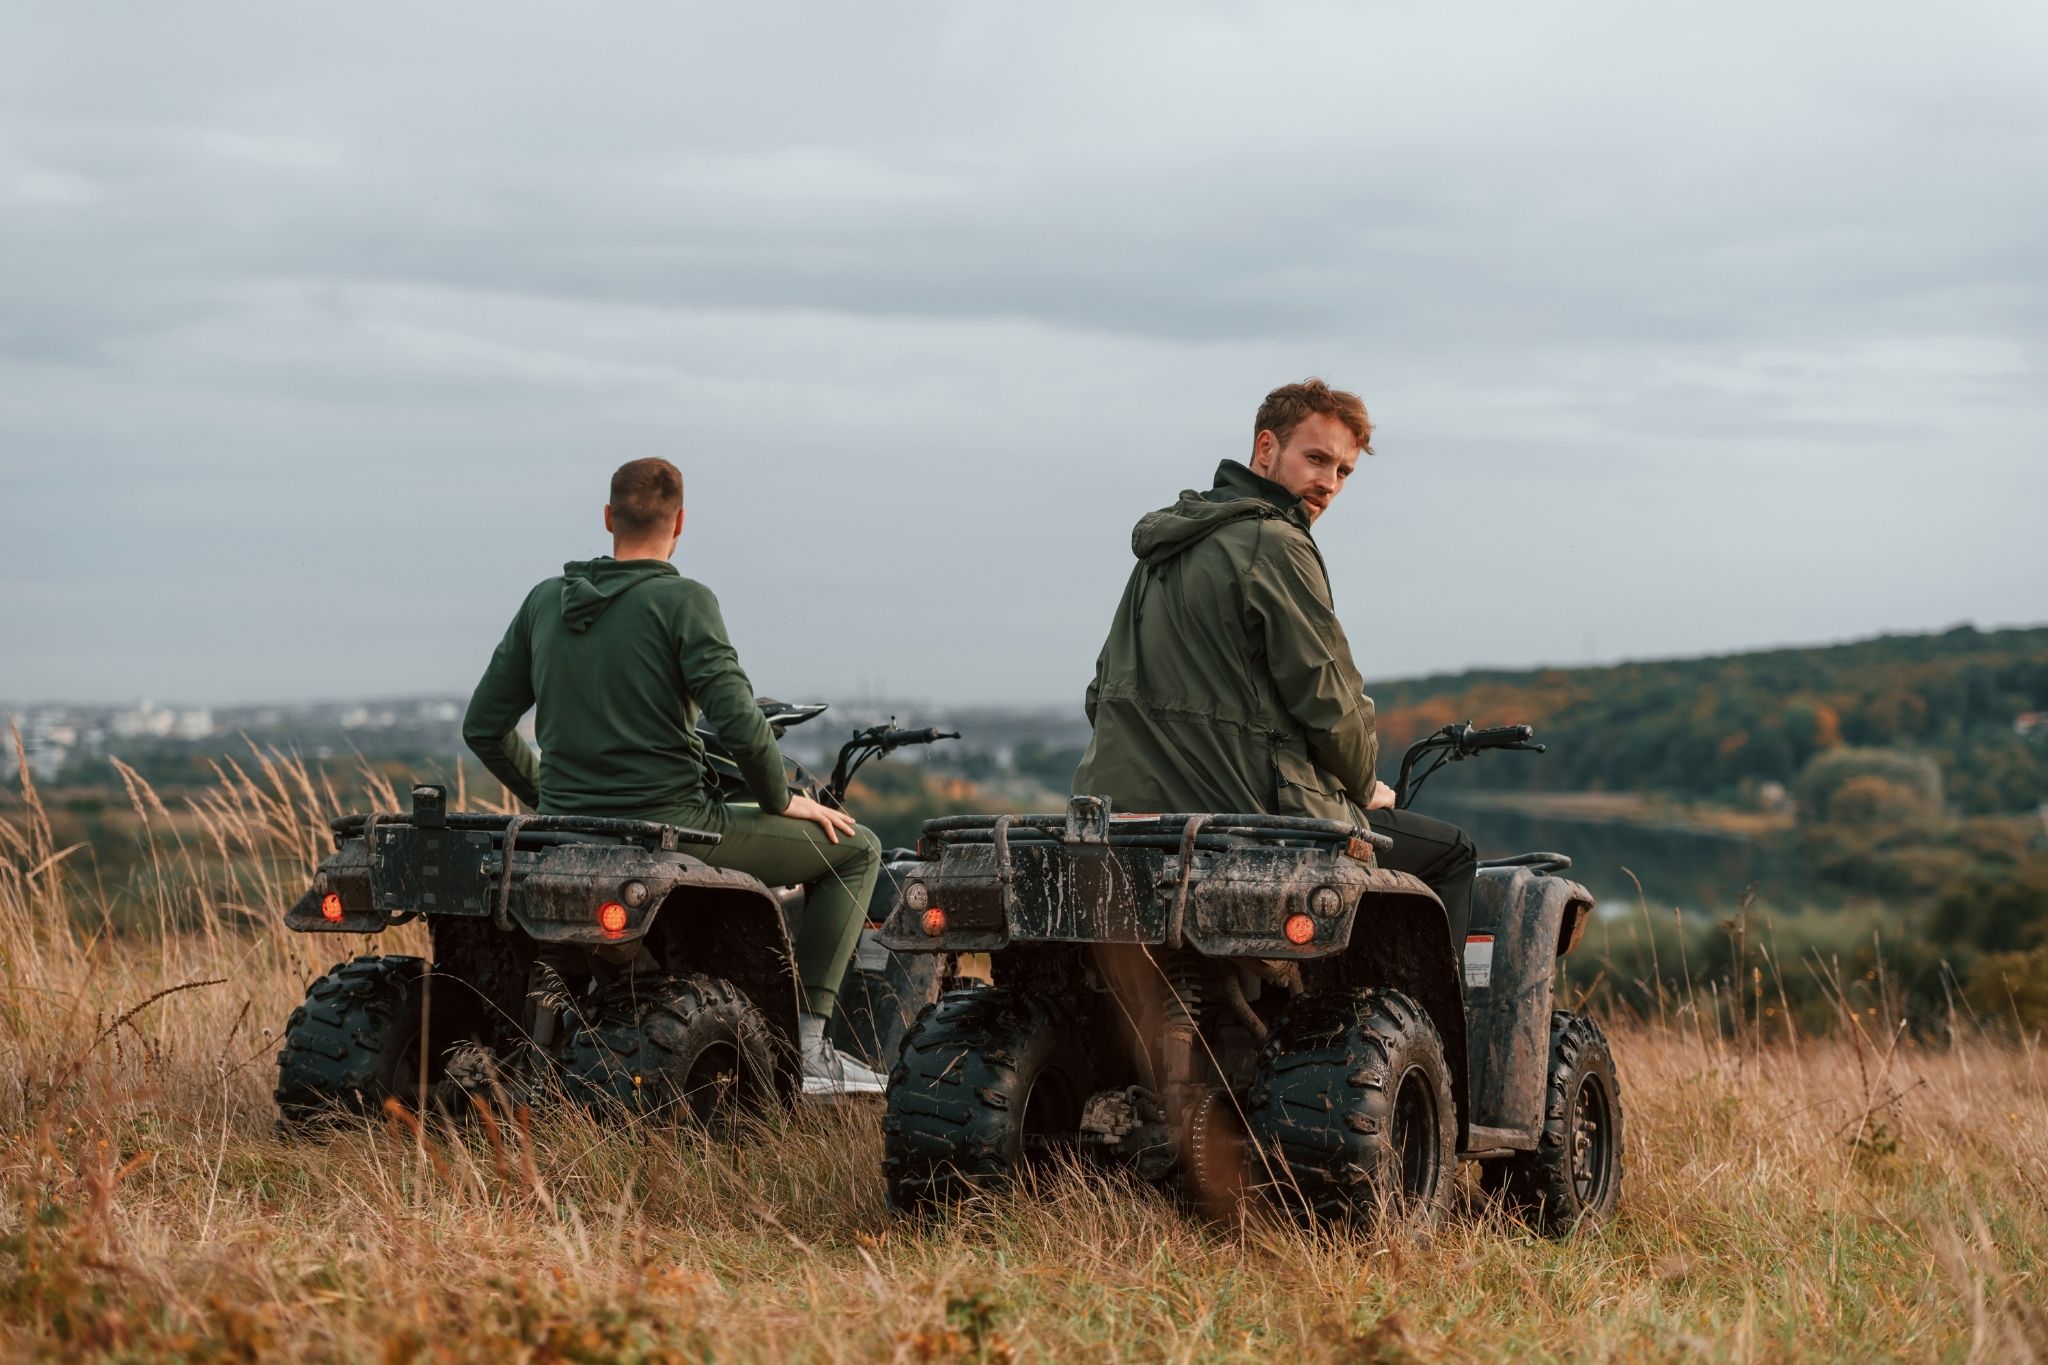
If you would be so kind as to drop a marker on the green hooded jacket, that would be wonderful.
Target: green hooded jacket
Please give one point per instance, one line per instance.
(1226, 683)
(621, 657)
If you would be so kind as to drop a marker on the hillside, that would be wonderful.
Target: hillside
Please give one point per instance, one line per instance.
(1720, 727)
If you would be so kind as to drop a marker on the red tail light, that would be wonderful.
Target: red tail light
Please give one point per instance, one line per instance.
(1299, 929)
(611, 917)
(330, 907)
(934, 922)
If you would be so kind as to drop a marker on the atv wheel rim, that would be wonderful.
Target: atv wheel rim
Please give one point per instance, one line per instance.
(1217, 1168)
(1592, 1138)
(1417, 1137)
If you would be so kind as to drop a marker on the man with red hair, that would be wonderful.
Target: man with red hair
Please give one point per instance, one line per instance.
(1226, 683)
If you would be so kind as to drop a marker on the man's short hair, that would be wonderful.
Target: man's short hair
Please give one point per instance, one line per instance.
(1286, 407)
(646, 495)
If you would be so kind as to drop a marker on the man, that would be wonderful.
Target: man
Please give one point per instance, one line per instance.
(1226, 683)
(621, 655)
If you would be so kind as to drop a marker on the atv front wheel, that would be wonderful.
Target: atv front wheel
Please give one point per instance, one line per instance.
(691, 1047)
(878, 1006)
(1350, 1109)
(1573, 1178)
(989, 1083)
(353, 1044)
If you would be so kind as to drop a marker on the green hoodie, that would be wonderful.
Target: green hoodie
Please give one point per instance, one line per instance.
(621, 658)
(1226, 683)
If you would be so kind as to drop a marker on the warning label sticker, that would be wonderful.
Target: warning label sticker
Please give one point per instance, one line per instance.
(1478, 960)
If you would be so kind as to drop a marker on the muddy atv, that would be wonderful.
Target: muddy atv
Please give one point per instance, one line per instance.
(1249, 1003)
(602, 956)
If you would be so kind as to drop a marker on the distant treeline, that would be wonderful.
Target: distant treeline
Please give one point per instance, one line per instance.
(1720, 727)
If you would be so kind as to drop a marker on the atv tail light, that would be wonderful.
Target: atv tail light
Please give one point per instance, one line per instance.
(611, 917)
(1299, 929)
(934, 922)
(916, 895)
(330, 907)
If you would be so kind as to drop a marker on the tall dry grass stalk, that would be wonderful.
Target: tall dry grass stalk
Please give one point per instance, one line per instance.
(1852, 1196)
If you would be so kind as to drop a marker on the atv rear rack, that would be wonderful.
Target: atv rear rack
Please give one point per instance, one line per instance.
(1088, 821)
(429, 811)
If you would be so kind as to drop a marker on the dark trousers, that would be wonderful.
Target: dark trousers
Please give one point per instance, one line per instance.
(1438, 852)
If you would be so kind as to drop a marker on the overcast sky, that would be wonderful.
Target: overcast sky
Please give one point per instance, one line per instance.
(1686, 329)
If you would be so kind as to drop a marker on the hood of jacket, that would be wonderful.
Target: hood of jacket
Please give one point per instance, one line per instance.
(1238, 493)
(589, 586)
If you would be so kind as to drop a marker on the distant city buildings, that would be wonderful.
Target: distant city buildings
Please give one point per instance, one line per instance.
(52, 735)
(70, 745)
(47, 738)
(55, 737)
(161, 723)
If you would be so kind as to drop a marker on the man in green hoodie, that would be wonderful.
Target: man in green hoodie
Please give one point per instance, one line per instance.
(1226, 683)
(620, 656)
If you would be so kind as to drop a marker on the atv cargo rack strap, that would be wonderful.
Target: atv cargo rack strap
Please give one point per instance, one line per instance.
(640, 831)
(1148, 831)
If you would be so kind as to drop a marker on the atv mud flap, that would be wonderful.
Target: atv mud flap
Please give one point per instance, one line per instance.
(1522, 923)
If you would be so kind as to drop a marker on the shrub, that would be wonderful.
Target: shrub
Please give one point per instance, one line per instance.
(2011, 986)
(1859, 786)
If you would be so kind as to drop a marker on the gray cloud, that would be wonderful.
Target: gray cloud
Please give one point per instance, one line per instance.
(1745, 312)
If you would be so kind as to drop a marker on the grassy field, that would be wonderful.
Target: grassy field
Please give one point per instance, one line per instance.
(1852, 1196)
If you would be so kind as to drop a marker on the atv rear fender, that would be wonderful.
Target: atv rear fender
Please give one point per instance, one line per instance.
(556, 893)
(560, 878)
(1401, 940)
(1226, 885)
(1234, 903)
(733, 928)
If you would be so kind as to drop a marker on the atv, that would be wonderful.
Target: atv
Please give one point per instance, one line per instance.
(883, 992)
(1248, 1002)
(596, 953)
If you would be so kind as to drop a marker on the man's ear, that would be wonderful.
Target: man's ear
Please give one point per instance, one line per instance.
(607, 517)
(678, 530)
(1264, 447)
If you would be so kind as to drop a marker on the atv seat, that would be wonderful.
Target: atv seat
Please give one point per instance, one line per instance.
(1539, 862)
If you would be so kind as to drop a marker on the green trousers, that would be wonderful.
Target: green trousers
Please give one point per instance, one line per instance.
(837, 881)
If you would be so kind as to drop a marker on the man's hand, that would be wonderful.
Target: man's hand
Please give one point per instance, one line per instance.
(833, 822)
(1382, 797)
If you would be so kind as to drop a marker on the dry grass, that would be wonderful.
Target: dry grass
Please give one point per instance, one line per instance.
(1851, 1197)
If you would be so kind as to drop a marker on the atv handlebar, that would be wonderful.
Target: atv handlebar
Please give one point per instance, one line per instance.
(874, 742)
(1496, 737)
(1454, 743)
(889, 737)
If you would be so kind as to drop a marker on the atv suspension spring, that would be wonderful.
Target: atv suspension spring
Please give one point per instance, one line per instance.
(1186, 978)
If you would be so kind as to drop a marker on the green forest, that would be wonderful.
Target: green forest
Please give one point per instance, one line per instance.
(1904, 779)
(1719, 728)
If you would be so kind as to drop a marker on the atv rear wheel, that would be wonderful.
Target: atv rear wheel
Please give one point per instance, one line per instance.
(1573, 1178)
(353, 1044)
(989, 1084)
(1351, 1109)
(692, 1048)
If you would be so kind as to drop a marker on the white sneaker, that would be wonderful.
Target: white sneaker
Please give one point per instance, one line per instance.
(828, 1071)
(840, 1074)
